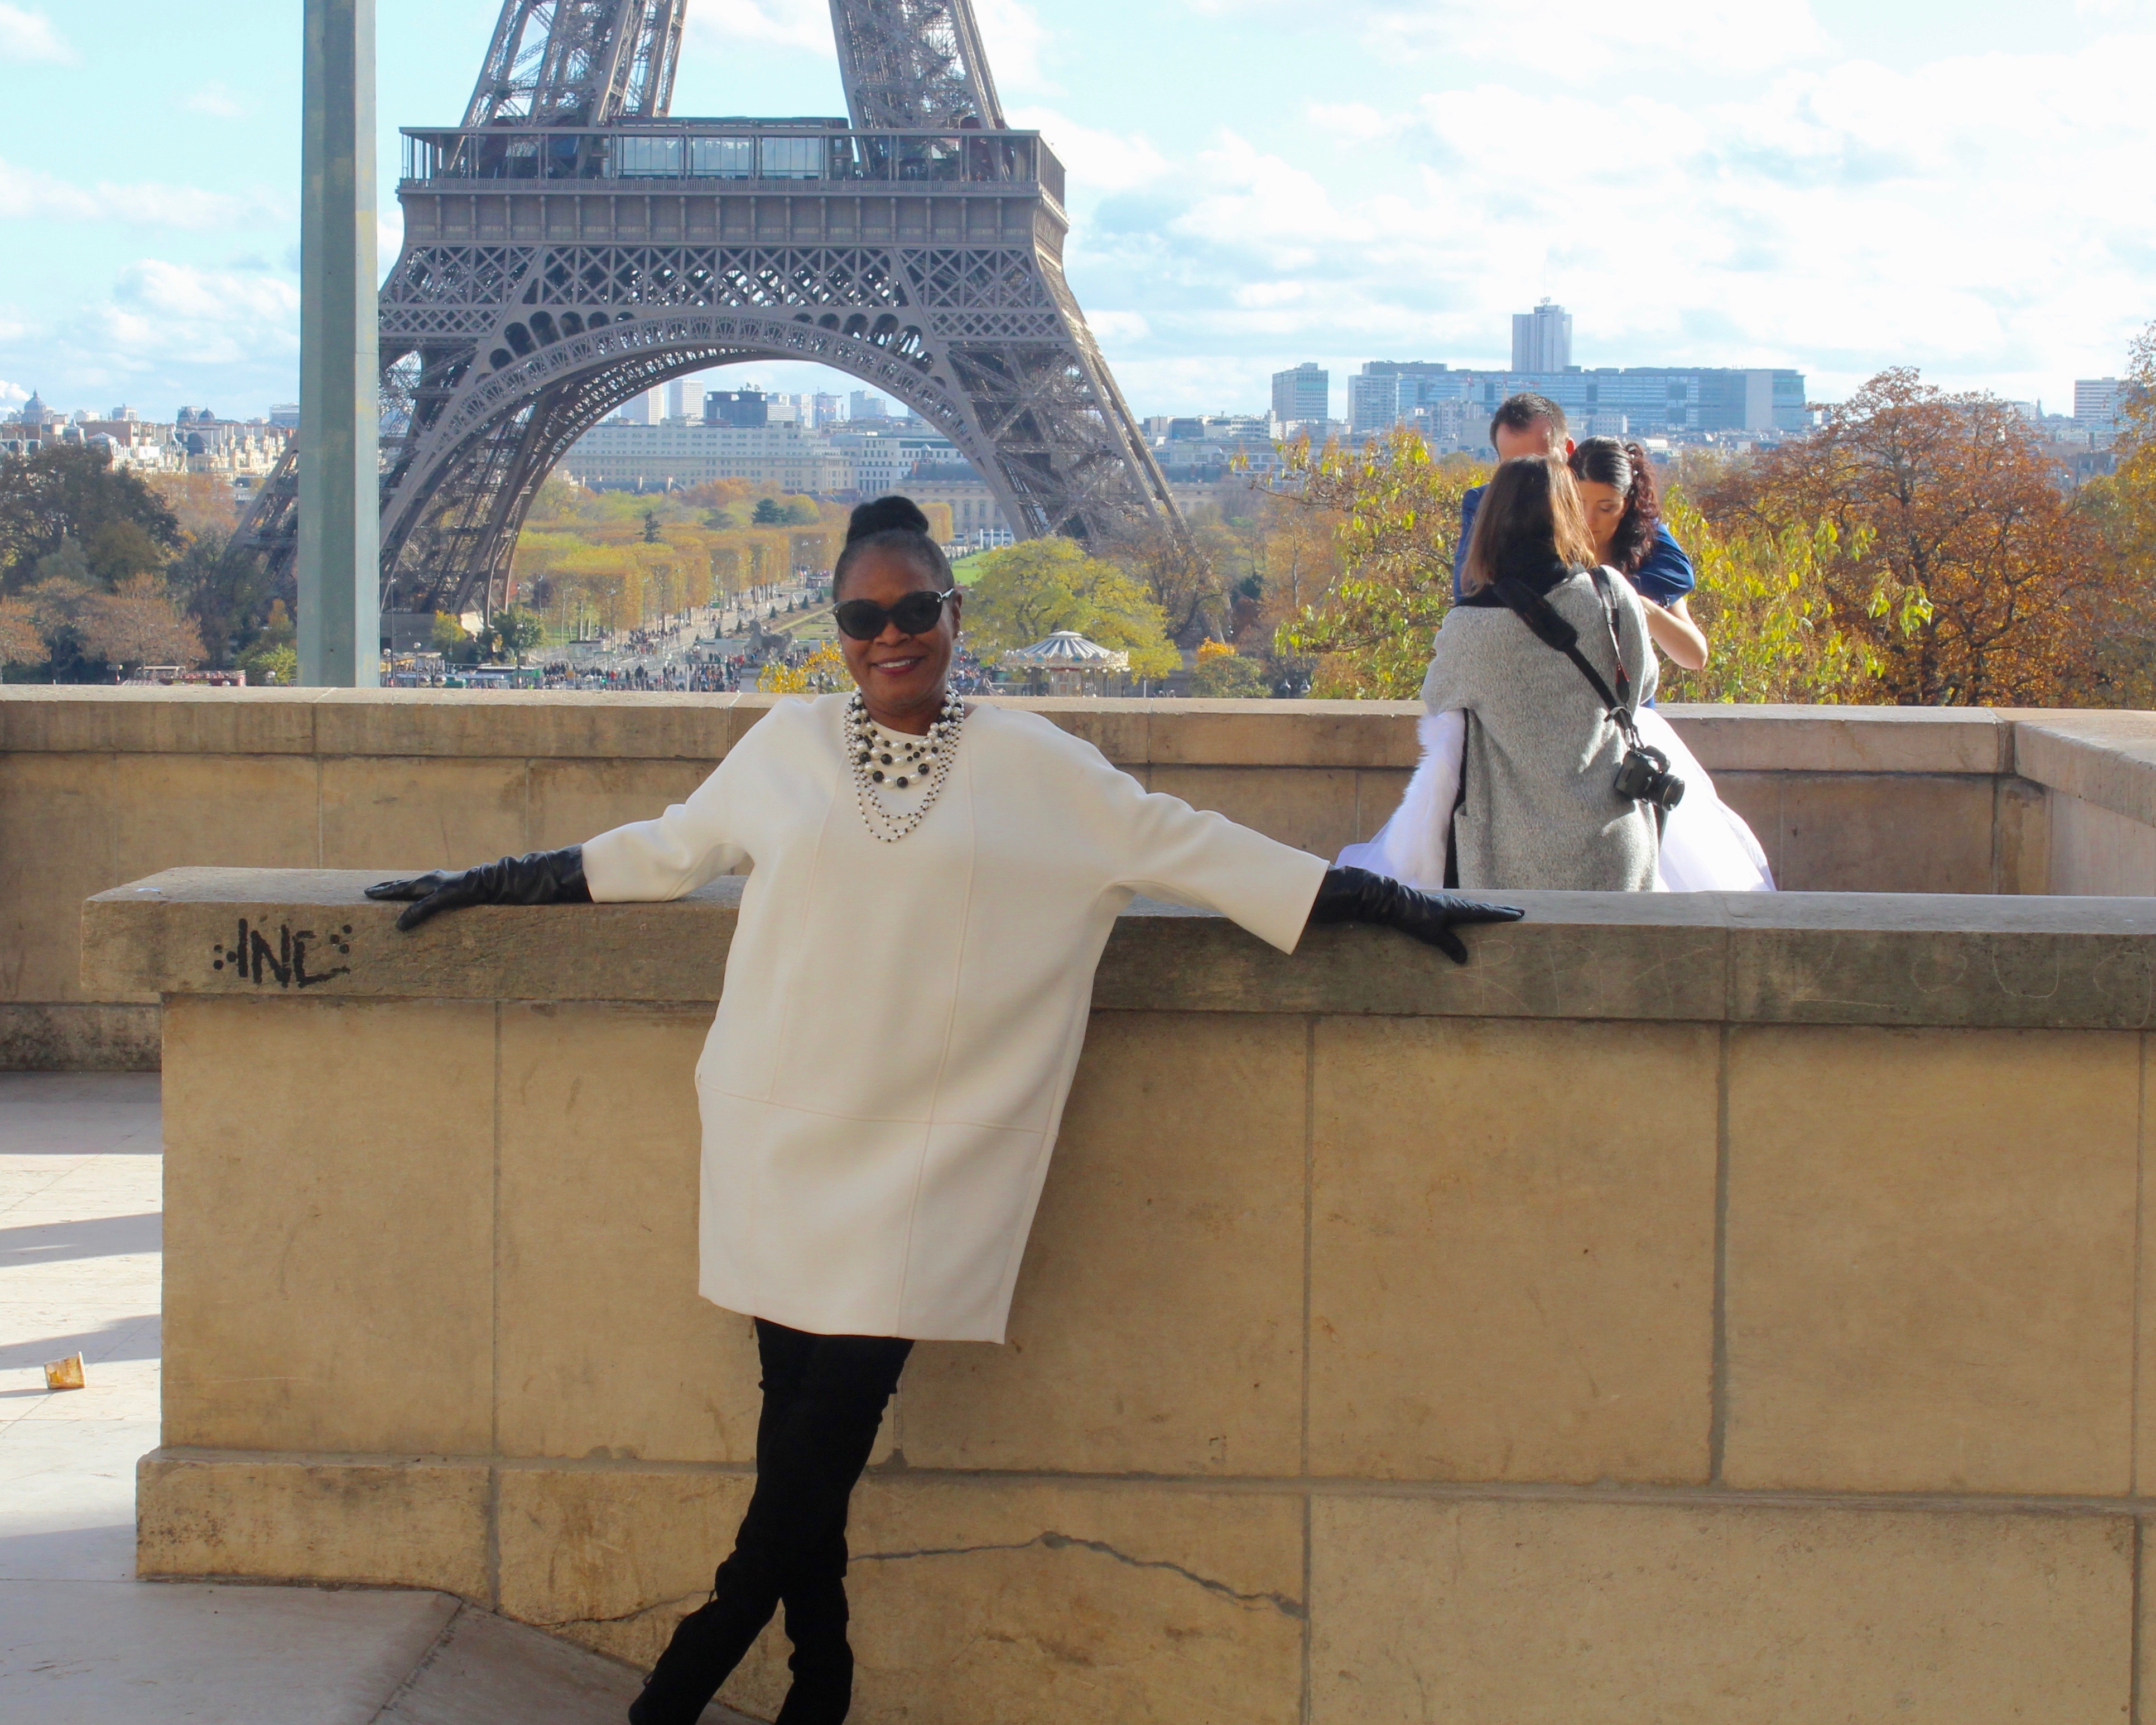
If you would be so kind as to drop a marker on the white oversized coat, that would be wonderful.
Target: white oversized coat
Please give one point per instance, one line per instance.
(899, 1022)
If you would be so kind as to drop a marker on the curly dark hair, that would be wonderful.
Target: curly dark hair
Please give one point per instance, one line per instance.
(1626, 470)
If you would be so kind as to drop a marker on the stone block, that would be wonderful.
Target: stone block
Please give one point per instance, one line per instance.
(2095, 851)
(1312, 808)
(65, 719)
(1279, 733)
(404, 1523)
(1157, 1326)
(412, 813)
(572, 801)
(1022, 1604)
(613, 1557)
(1890, 833)
(2107, 758)
(975, 1602)
(1512, 1250)
(1844, 739)
(73, 824)
(329, 1215)
(606, 1348)
(525, 724)
(1428, 1612)
(1757, 796)
(78, 1036)
(1378, 792)
(1931, 1244)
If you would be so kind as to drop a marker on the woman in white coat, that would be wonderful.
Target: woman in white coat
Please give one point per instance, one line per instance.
(903, 1008)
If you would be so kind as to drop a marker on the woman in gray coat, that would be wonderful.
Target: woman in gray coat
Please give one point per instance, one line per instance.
(1538, 805)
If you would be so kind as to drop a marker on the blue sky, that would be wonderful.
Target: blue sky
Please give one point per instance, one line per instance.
(1826, 184)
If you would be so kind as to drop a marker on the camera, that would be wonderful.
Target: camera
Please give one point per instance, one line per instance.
(1643, 776)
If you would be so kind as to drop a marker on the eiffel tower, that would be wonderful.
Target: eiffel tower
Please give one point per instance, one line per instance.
(570, 245)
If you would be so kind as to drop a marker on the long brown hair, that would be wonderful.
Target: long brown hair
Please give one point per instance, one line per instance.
(1625, 469)
(1529, 519)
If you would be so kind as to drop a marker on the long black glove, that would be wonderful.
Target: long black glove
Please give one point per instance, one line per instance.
(1358, 896)
(542, 877)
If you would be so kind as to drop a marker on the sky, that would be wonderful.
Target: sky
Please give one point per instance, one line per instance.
(1837, 185)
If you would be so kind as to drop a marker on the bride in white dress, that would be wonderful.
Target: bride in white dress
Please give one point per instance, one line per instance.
(1705, 844)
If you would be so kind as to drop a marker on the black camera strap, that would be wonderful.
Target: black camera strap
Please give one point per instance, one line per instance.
(1553, 630)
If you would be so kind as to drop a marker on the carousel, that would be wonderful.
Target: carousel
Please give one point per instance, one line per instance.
(1068, 663)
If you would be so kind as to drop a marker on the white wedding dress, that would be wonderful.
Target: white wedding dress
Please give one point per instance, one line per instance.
(1707, 847)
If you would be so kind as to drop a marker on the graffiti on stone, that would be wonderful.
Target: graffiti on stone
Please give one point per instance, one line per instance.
(284, 962)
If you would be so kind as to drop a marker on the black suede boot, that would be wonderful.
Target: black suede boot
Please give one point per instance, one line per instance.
(822, 1662)
(707, 1645)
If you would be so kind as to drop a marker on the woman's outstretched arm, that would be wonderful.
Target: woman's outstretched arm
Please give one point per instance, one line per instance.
(539, 877)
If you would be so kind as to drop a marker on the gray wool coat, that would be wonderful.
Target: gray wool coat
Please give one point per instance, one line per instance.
(1540, 808)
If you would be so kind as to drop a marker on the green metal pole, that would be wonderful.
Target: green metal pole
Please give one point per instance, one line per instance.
(340, 622)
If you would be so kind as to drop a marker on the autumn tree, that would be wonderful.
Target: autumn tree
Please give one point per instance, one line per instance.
(136, 624)
(1394, 514)
(1959, 560)
(2123, 505)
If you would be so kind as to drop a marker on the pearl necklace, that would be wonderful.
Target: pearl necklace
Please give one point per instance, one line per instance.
(926, 758)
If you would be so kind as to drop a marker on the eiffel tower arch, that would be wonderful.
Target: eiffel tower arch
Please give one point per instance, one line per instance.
(569, 245)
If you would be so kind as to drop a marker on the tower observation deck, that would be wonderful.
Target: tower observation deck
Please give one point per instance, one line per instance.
(571, 244)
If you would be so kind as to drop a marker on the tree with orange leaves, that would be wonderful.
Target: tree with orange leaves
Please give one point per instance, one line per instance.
(1962, 563)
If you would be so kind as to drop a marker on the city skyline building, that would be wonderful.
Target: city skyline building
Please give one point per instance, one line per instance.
(1303, 394)
(1634, 400)
(2096, 401)
(1541, 339)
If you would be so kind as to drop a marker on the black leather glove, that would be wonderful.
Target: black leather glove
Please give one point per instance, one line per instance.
(542, 877)
(1358, 896)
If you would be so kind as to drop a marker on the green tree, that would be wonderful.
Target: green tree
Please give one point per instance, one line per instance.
(769, 512)
(1025, 593)
(516, 631)
(651, 533)
(66, 491)
(226, 592)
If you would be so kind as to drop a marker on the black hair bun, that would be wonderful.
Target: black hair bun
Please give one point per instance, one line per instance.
(885, 515)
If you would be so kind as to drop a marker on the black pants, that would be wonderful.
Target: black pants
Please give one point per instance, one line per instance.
(824, 1398)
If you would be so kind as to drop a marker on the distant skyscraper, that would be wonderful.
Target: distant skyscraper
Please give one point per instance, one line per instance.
(866, 404)
(1541, 339)
(1304, 394)
(680, 393)
(2095, 403)
(645, 409)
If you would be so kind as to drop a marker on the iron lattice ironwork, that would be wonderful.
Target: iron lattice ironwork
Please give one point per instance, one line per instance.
(570, 247)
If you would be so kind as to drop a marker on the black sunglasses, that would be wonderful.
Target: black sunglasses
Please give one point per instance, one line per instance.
(914, 615)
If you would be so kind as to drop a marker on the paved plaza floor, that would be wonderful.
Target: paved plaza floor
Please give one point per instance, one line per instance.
(81, 1641)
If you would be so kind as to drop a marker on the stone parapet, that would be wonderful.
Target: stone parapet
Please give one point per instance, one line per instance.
(98, 786)
(1684, 1312)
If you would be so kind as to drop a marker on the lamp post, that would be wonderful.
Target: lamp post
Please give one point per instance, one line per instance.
(340, 622)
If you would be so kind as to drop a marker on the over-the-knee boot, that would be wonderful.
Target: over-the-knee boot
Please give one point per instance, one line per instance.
(707, 1645)
(822, 1662)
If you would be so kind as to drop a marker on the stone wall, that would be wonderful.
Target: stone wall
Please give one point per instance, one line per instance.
(1698, 1309)
(98, 786)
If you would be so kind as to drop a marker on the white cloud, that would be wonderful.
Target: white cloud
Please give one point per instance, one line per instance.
(1101, 161)
(30, 36)
(163, 311)
(1578, 41)
(25, 193)
(1977, 217)
(217, 101)
(717, 27)
(1012, 35)
(12, 395)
